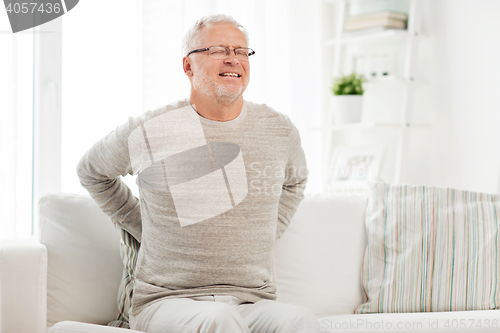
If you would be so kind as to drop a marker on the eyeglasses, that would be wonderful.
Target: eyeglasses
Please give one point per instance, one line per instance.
(221, 52)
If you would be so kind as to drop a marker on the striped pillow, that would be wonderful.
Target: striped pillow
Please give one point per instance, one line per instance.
(129, 248)
(431, 249)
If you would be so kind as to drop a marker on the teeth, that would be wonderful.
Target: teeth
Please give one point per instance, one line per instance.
(229, 74)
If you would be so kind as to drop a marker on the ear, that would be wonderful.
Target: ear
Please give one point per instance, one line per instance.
(187, 66)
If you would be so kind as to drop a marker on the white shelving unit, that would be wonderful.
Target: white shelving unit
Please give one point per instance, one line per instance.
(335, 46)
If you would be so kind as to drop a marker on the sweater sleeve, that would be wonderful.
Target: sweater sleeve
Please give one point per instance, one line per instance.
(295, 182)
(100, 170)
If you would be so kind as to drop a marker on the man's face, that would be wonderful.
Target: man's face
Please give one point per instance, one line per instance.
(208, 73)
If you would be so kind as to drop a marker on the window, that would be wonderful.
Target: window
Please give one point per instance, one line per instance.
(16, 131)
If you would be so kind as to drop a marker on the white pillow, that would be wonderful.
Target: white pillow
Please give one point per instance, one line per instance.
(84, 264)
(319, 257)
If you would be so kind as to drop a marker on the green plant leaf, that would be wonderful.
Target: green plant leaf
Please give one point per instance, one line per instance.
(351, 84)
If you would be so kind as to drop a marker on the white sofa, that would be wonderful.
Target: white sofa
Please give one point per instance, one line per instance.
(69, 281)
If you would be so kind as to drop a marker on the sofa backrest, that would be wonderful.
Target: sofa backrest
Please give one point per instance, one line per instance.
(84, 264)
(317, 260)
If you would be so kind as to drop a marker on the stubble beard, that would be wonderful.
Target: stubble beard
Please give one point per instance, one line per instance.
(208, 87)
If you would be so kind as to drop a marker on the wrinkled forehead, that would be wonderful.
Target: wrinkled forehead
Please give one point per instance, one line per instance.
(222, 34)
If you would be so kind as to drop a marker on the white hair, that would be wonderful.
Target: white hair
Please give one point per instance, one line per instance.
(192, 38)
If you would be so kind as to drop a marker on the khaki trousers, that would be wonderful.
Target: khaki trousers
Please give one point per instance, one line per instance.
(223, 314)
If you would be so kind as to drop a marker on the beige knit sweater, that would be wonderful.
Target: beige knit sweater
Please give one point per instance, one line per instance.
(214, 197)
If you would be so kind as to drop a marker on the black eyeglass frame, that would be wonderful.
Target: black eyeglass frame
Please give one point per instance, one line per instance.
(250, 53)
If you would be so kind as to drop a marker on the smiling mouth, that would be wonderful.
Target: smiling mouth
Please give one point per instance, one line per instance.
(229, 74)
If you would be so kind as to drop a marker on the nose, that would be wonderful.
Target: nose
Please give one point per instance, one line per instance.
(231, 56)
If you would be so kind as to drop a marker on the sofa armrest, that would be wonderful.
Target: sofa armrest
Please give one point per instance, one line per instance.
(23, 287)
(77, 327)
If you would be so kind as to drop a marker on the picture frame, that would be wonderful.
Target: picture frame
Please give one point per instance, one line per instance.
(352, 167)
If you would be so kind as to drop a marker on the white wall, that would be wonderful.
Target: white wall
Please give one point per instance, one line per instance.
(460, 60)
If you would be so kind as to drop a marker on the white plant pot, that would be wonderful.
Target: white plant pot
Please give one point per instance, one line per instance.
(347, 108)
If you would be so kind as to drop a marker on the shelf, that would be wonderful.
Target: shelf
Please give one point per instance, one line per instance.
(400, 49)
(363, 37)
(387, 79)
(346, 1)
(394, 80)
(353, 126)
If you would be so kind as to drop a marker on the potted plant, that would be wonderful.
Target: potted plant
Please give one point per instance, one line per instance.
(347, 100)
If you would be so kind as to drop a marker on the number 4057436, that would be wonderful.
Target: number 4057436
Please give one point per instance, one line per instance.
(33, 7)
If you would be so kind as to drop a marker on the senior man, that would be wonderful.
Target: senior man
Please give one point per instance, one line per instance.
(219, 179)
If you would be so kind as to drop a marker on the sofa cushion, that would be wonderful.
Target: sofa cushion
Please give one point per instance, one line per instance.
(318, 258)
(431, 249)
(84, 266)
